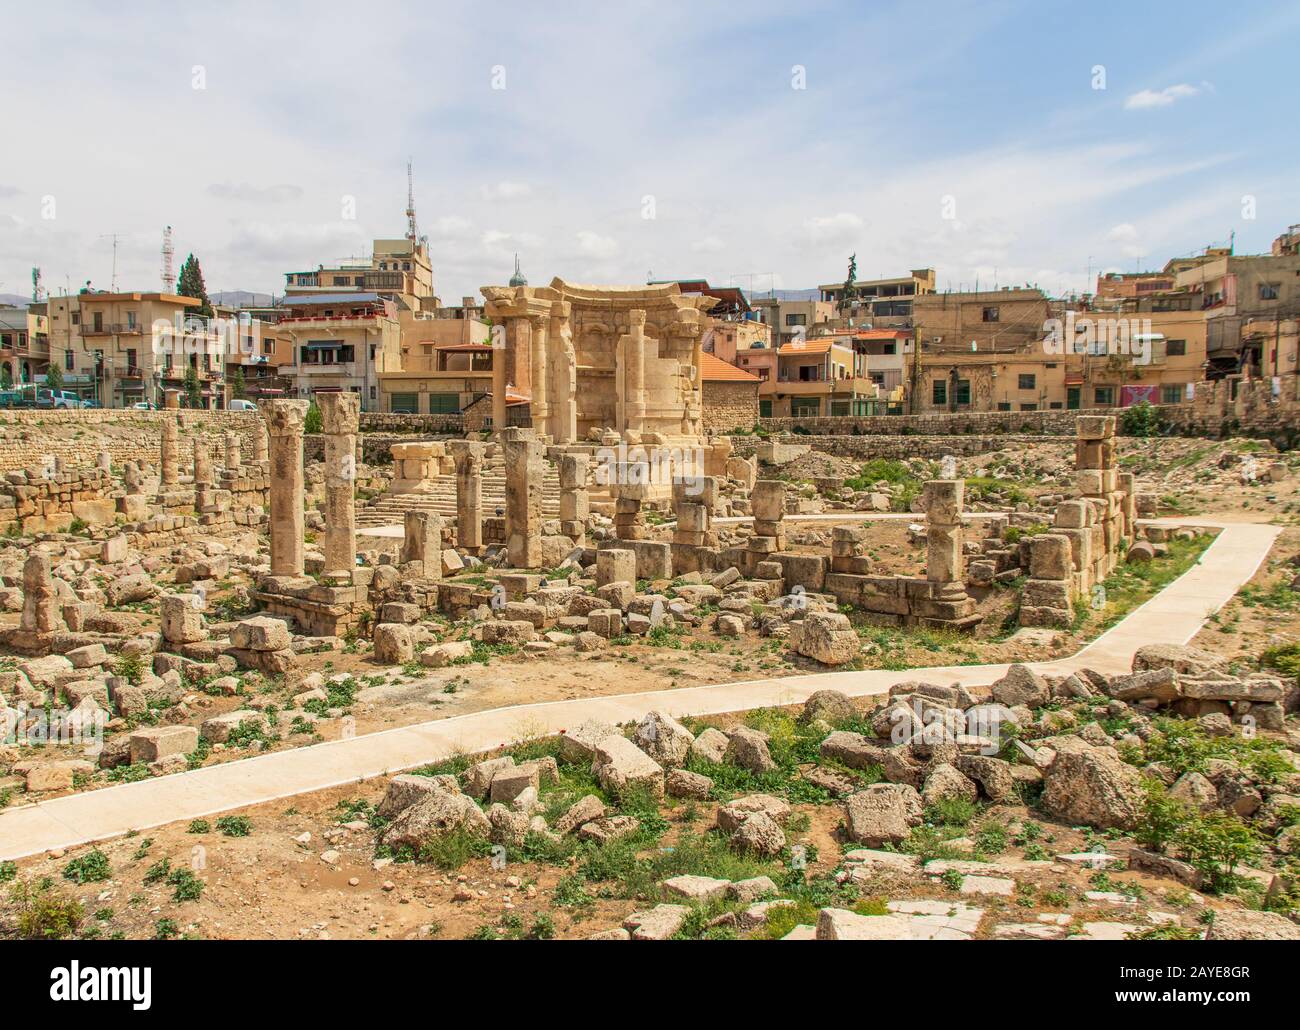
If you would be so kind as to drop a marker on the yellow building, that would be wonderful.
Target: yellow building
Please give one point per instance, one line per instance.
(120, 349)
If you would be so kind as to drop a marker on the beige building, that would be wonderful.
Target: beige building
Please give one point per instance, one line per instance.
(730, 395)
(24, 342)
(792, 320)
(120, 349)
(341, 342)
(397, 270)
(879, 303)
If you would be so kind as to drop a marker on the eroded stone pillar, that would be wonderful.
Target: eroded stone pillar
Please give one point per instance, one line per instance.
(260, 452)
(633, 347)
(422, 541)
(693, 501)
(340, 419)
(468, 455)
(1098, 481)
(168, 454)
(41, 611)
(234, 457)
(284, 422)
(202, 463)
(539, 404)
(767, 505)
(574, 502)
(944, 561)
(523, 461)
(564, 380)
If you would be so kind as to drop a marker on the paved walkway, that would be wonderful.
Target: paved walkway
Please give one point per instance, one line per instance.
(1172, 616)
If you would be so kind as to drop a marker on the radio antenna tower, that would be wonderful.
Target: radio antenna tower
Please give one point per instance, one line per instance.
(114, 236)
(412, 233)
(168, 252)
(38, 291)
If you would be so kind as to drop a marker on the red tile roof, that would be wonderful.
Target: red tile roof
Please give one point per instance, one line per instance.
(714, 369)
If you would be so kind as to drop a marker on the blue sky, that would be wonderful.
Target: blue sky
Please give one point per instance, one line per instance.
(968, 137)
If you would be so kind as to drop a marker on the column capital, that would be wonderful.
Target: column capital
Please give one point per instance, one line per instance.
(285, 418)
(340, 412)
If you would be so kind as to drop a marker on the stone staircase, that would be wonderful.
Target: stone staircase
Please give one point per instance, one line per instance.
(391, 509)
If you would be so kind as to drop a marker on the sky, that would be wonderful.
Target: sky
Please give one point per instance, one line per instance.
(758, 144)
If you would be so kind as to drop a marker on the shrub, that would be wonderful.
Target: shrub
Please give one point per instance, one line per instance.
(44, 913)
(312, 420)
(1142, 419)
(89, 868)
(1215, 844)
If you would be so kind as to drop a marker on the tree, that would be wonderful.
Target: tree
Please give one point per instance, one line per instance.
(237, 383)
(6, 377)
(850, 282)
(193, 394)
(312, 422)
(190, 284)
(54, 376)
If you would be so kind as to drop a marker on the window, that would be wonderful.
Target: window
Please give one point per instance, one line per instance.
(130, 360)
(796, 319)
(1029, 407)
(1171, 394)
(1269, 291)
(990, 314)
(1055, 405)
(963, 392)
(1104, 395)
(764, 409)
(1004, 405)
(130, 319)
(1028, 381)
(939, 393)
(67, 361)
(1176, 348)
(805, 407)
(839, 407)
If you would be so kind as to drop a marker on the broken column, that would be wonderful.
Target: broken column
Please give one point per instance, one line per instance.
(416, 466)
(133, 505)
(767, 504)
(468, 456)
(1046, 598)
(941, 599)
(234, 460)
(523, 467)
(41, 610)
(340, 419)
(285, 421)
(422, 542)
(260, 450)
(849, 550)
(1098, 481)
(1128, 505)
(169, 455)
(693, 500)
(574, 502)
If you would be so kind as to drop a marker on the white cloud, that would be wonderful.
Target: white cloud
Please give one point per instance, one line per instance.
(594, 245)
(1127, 237)
(506, 191)
(837, 228)
(708, 245)
(246, 193)
(1146, 98)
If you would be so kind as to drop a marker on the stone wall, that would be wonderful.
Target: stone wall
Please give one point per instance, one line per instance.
(77, 437)
(436, 425)
(1054, 422)
(894, 446)
(729, 405)
(1241, 407)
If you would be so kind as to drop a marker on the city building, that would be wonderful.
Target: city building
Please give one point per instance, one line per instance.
(341, 342)
(124, 348)
(730, 395)
(24, 342)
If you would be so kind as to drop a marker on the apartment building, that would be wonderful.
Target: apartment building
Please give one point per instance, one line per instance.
(397, 270)
(988, 321)
(124, 348)
(878, 303)
(810, 378)
(792, 320)
(341, 342)
(24, 342)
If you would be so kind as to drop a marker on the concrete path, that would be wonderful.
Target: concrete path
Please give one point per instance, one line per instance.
(1173, 616)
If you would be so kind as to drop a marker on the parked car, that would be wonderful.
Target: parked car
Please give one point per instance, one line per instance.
(57, 399)
(239, 404)
(17, 398)
(144, 406)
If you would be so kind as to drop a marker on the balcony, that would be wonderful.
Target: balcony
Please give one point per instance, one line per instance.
(110, 329)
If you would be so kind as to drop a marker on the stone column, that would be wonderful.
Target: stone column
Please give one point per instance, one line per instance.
(630, 488)
(767, 504)
(105, 461)
(498, 387)
(285, 424)
(234, 459)
(539, 404)
(564, 381)
(633, 347)
(944, 561)
(523, 461)
(574, 503)
(1045, 599)
(340, 419)
(1128, 504)
(171, 399)
(468, 455)
(1098, 481)
(260, 443)
(169, 453)
(693, 501)
(422, 542)
(41, 612)
(202, 463)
